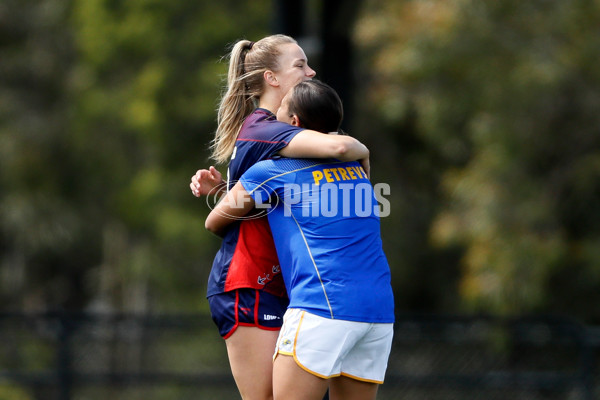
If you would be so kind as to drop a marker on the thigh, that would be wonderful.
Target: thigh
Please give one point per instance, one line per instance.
(290, 382)
(344, 388)
(250, 352)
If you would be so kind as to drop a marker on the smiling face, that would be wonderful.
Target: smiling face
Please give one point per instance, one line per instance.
(293, 67)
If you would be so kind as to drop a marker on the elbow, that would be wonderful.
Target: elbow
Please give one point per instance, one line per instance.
(342, 148)
(350, 149)
(210, 226)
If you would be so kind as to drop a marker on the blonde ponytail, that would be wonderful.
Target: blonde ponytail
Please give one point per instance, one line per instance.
(247, 63)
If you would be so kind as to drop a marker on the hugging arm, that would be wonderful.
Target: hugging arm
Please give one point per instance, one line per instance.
(236, 204)
(313, 144)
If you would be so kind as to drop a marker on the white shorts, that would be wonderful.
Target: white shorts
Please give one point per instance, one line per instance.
(331, 347)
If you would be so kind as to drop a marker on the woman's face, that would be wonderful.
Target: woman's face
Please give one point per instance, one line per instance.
(293, 67)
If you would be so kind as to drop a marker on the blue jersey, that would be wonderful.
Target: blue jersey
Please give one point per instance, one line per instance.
(247, 257)
(325, 221)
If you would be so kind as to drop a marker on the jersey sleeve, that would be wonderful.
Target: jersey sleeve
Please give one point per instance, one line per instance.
(260, 138)
(271, 137)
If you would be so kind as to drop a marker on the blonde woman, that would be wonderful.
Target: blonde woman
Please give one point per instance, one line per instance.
(246, 292)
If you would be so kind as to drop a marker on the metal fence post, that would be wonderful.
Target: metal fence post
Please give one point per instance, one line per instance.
(64, 365)
(587, 364)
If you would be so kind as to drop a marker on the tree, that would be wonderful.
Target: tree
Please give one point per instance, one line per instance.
(496, 103)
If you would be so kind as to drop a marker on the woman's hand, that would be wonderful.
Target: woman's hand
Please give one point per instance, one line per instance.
(364, 162)
(206, 181)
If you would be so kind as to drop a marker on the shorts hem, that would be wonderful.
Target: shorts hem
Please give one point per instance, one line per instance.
(264, 328)
(311, 371)
(357, 378)
(285, 353)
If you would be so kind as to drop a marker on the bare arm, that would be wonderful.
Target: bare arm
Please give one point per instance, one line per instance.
(313, 144)
(237, 203)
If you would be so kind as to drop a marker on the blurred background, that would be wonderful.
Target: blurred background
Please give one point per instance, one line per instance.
(483, 116)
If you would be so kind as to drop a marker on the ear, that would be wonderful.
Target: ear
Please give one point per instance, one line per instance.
(295, 120)
(270, 78)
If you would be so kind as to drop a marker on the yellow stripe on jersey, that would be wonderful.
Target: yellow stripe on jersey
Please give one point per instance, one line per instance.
(290, 172)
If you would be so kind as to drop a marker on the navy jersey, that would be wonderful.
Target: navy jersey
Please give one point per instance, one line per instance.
(325, 222)
(260, 138)
(247, 257)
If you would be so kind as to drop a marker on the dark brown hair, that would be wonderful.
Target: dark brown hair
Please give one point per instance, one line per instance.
(317, 106)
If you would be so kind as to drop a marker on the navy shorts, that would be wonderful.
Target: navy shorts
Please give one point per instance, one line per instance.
(247, 307)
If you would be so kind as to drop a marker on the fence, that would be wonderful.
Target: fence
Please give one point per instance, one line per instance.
(90, 356)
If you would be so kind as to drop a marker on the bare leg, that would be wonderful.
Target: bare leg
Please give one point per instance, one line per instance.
(344, 388)
(290, 382)
(250, 352)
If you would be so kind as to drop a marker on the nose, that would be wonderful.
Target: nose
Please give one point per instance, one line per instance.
(310, 72)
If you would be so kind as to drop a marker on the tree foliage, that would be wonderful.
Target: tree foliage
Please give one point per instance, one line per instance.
(496, 103)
